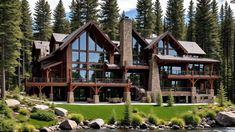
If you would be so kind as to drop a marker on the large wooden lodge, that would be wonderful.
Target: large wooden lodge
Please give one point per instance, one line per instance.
(87, 66)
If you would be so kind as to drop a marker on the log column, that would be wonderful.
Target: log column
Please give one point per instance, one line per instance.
(51, 95)
(70, 94)
(127, 94)
(96, 97)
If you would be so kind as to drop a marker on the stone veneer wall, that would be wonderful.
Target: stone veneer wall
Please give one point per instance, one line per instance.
(126, 42)
(154, 79)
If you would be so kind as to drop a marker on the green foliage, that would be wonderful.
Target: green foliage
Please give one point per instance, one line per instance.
(76, 117)
(127, 114)
(43, 115)
(7, 125)
(153, 119)
(170, 101)
(39, 124)
(113, 118)
(27, 128)
(52, 105)
(158, 17)
(191, 24)
(5, 111)
(142, 114)
(221, 95)
(135, 110)
(149, 99)
(75, 14)
(61, 25)
(191, 118)
(89, 10)
(21, 118)
(109, 18)
(144, 17)
(42, 20)
(175, 17)
(159, 99)
(23, 111)
(177, 121)
(136, 120)
(211, 114)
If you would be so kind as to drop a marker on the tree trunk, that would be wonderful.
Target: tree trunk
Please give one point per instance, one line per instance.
(3, 74)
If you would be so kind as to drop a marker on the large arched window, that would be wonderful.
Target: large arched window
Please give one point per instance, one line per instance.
(88, 58)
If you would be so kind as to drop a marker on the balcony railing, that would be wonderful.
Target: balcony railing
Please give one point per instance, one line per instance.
(100, 80)
(40, 79)
(186, 89)
(180, 72)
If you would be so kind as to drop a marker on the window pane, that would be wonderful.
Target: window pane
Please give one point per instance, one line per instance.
(82, 56)
(75, 45)
(160, 44)
(75, 56)
(92, 75)
(82, 74)
(75, 66)
(106, 58)
(91, 44)
(75, 74)
(83, 41)
(172, 52)
(99, 48)
(82, 66)
(96, 57)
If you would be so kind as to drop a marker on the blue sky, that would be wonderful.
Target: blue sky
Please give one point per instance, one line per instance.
(129, 6)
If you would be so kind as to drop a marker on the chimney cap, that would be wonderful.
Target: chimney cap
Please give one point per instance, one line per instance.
(126, 18)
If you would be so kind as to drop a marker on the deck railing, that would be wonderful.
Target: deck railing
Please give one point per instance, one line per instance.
(100, 80)
(188, 89)
(180, 72)
(41, 79)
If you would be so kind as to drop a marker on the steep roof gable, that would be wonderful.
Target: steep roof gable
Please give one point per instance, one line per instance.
(59, 37)
(192, 47)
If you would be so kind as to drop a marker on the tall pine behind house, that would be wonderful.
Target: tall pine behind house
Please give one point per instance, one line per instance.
(144, 18)
(190, 36)
(75, 15)
(42, 20)
(109, 18)
(61, 24)
(158, 18)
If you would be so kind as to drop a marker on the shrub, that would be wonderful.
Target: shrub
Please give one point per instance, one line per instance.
(5, 111)
(210, 114)
(159, 99)
(23, 111)
(177, 121)
(43, 115)
(136, 120)
(27, 128)
(221, 95)
(16, 108)
(161, 122)
(76, 117)
(52, 106)
(218, 109)
(21, 118)
(112, 119)
(153, 119)
(201, 113)
(192, 119)
(148, 99)
(127, 114)
(142, 114)
(170, 101)
(135, 110)
(7, 125)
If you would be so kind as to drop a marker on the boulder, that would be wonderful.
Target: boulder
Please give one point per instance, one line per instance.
(45, 129)
(61, 111)
(143, 126)
(86, 122)
(41, 107)
(152, 127)
(96, 124)
(68, 125)
(175, 127)
(12, 102)
(226, 118)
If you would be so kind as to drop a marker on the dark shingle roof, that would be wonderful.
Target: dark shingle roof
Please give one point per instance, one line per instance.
(59, 37)
(192, 47)
(186, 59)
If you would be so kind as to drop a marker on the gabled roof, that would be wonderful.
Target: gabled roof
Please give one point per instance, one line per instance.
(139, 37)
(41, 44)
(192, 47)
(90, 24)
(59, 37)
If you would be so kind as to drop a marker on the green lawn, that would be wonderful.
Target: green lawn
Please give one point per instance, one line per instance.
(104, 111)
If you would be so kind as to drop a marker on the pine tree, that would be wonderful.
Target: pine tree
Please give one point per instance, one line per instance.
(89, 10)
(191, 24)
(109, 18)
(26, 28)
(144, 17)
(61, 25)
(175, 18)
(203, 24)
(75, 15)
(158, 17)
(171, 99)
(10, 35)
(42, 24)
(221, 95)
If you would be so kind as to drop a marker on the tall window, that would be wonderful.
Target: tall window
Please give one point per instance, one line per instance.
(166, 49)
(88, 58)
(137, 50)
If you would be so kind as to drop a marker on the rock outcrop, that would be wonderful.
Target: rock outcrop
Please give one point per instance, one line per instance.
(226, 118)
(12, 102)
(96, 124)
(68, 125)
(61, 111)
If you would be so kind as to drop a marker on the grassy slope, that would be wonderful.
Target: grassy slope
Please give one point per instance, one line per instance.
(104, 112)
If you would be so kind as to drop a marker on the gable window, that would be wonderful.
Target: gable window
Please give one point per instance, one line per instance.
(136, 52)
(164, 48)
(88, 58)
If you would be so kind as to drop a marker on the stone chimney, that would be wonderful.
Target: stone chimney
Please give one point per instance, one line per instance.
(126, 42)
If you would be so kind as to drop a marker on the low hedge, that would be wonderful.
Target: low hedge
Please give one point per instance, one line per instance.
(153, 119)
(136, 120)
(23, 111)
(7, 125)
(192, 119)
(43, 115)
(177, 121)
(76, 117)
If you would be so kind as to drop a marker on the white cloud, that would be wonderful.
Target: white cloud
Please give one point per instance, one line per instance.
(124, 5)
